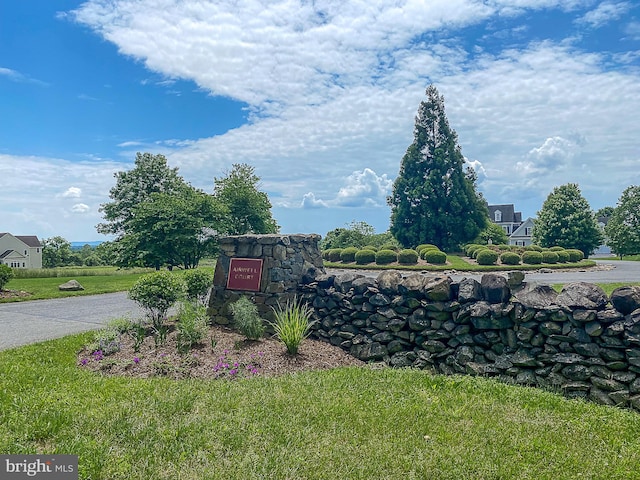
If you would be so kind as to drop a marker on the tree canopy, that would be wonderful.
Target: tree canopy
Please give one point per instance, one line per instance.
(434, 200)
(566, 220)
(357, 234)
(623, 228)
(249, 209)
(492, 232)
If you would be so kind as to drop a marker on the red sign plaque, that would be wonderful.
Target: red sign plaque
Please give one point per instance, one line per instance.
(245, 274)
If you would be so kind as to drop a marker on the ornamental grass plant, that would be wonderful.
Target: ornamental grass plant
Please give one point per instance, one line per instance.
(292, 324)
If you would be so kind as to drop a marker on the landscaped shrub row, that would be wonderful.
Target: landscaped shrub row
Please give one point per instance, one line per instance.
(513, 255)
(385, 255)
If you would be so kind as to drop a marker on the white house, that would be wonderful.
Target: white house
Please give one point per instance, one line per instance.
(506, 217)
(522, 235)
(20, 251)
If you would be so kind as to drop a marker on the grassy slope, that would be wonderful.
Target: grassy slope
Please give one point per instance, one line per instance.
(346, 423)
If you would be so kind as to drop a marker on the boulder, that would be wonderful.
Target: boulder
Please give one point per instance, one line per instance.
(582, 295)
(533, 295)
(343, 282)
(515, 278)
(70, 286)
(495, 288)
(469, 290)
(388, 281)
(626, 299)
(438, 289)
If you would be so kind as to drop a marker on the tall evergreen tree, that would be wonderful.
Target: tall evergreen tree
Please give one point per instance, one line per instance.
(566, 220)
(434, 200)
(623, 229)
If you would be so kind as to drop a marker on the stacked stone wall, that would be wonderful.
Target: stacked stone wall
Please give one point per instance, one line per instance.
(578, 341)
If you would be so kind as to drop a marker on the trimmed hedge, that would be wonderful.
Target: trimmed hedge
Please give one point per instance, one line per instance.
(556, 249)
(407, 257)
(348, 254)
(384, 257)
(487, 257)
(370, 247)
(533, 248)
(510, 258)
(435, 256)
(532, 257)
(563, 256)
(471, 248)
(549, 257)
(365, 256)
(575, 255)
(333, 254)
(389, 246)
(425, 246)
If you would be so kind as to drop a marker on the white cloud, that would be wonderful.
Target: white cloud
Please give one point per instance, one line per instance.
(16, 76)
(604, 13)
(309, 200)
(80, 208)
(633, 30)
(72, 192)
(555, 153)
(364, 188)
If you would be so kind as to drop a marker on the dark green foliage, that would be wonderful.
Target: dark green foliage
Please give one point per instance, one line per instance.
(157, 292)
(563, 256)
(6, 274)
(246, 318)
(365, 256)
(623, 228)
(575, 255)
(384, 257)
(566, 220)
(510, 258)
(407, 257)
(56, 252)
(390, 246)
(532, 257)
(493, 232)
(435, 257)
(198, 283)
(348, 254)
(433, 200)
(357, 234)
(549, 257)
(249, 209)
(487, 257)
(334, 254)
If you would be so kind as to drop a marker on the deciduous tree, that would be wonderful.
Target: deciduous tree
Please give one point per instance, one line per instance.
(566, 220)
(623, 228)
(434, 200)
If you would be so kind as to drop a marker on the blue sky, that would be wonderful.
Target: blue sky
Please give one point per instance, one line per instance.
(319, 96)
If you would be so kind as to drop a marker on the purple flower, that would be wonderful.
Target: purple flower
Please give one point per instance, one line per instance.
(233, 372)
(136, 360)
(84, 361)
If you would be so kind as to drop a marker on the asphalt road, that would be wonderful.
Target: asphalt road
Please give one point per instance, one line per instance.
(22, 323)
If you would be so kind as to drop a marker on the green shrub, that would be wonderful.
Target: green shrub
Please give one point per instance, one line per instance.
(390, 246)
(556, 249)
(575, 255)
(198, 283)
(348, 254)
(503, 247)
(510, 258)
(292, 324)
(532, 257)
(246, 318)
(192, 325)
(425, 246)
(472, 247)
(370, 247)
(407, 257)
(107, 341)
(384, 257)
(549, 257)
(365, 256)
(6, 274)
(487, 257)
(333, 254)
(157, 292)
(533, 248)
(435, 257)
(563, 256)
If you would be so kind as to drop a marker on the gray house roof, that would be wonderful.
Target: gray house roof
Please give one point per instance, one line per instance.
(508, 213)
(29, 240)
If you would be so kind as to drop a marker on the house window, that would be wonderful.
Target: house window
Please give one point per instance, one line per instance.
(23, 266)
(527, 231)
(497, 216)
(506, 229)
(37, 250)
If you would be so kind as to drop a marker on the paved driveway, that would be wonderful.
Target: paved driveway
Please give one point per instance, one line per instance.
(22, 323)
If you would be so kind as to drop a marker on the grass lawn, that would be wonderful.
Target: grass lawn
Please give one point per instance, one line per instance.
(347, 423)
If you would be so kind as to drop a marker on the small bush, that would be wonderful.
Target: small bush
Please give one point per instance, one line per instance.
(157, 292)
(472, 247)
(510, 258)
(533, 248)
(6, 274)
(348, 254)
(575, 255)
(435, 257)
(198, 283)
(292, 324)
(487, 257)
(407, 257)
(191, 325)
(390, 246)
(425, 246)
(563, 256)
(333, 254)
(503, 247)
(120, 325)
(370, 247)
(532, 257)
(549, 257)
(246, 318)
(106, 341)
(384, 257)
(556, 249)
(364, 257)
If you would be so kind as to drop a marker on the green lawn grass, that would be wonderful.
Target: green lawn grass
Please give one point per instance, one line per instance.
(351, 423)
